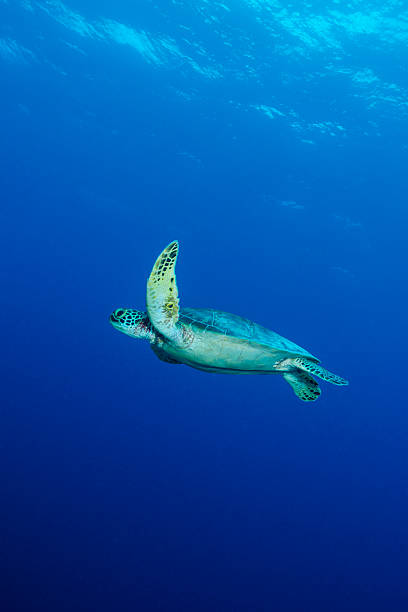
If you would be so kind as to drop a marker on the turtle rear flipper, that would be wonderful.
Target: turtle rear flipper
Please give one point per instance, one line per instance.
(162, 295)
(304, 386)
(314, 368)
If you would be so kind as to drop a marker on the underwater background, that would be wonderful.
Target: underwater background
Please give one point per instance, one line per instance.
(270, 139)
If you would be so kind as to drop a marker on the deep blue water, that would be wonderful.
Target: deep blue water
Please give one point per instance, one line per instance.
(270, 140)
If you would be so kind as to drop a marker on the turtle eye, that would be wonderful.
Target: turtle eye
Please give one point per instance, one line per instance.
(119, 312)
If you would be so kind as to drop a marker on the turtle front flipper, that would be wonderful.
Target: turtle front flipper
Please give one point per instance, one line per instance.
(304, 386)
(162, 295)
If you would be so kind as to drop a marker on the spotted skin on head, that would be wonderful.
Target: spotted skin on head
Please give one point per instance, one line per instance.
(132, 322)
(162, 294)
(304, 386)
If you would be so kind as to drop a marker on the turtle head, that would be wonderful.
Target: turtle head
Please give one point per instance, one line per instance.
(132, 322)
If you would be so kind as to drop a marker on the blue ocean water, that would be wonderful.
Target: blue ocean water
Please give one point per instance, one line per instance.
(269, 138)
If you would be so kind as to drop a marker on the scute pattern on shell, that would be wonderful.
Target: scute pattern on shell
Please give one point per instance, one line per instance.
(228, 324)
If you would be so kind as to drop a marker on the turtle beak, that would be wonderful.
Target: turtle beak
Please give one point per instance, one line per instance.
(114, 320)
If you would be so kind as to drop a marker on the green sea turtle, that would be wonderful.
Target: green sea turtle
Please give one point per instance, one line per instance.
(215, 341)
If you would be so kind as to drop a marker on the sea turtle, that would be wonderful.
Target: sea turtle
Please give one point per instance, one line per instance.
(215, 341)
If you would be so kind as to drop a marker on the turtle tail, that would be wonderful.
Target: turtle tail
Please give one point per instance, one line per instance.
(314, 368)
